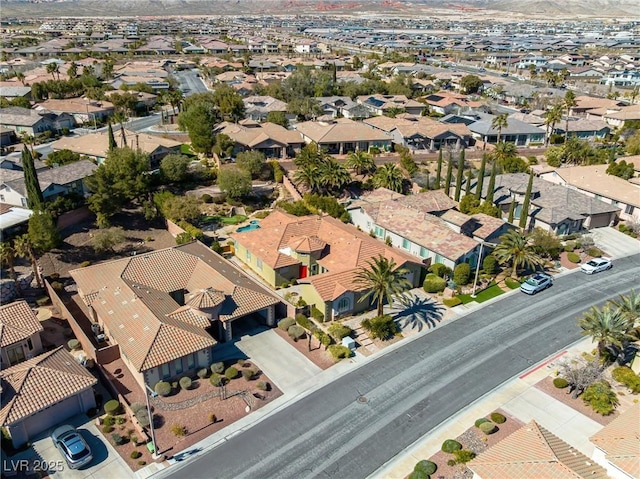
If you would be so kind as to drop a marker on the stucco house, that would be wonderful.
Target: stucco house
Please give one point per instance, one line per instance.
(321, 254)
(167, 309)
(274, 141)
(19, 333)
(25, 121)
(42, 392)
(341, 135)
(518, 132)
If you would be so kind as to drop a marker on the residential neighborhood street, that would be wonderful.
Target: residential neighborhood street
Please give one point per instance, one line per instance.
(363, 419)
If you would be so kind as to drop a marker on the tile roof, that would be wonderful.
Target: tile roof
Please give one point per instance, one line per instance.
(40, 382)
(17, 323)
(253, 134)
(620, 441)
(340, 130)
(97, 144)
(133, 297)
(16, 115)
(532, 452)
(409, 126)
(347, 249)
(61, 175)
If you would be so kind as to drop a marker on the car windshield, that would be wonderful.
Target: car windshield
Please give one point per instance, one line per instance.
(533, 282)
(593, 263)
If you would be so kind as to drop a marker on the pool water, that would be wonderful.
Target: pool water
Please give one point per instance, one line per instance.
(253, 225)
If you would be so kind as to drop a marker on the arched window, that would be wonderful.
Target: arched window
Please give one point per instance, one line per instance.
(344, 304)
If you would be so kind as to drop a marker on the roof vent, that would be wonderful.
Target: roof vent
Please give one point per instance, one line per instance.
(121, 326)
(135, 316)
(130, 340)
(110, 311)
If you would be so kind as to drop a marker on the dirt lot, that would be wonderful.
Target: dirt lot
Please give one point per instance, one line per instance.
(141, 236)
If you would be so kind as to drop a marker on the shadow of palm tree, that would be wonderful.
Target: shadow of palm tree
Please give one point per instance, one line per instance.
(416, 312)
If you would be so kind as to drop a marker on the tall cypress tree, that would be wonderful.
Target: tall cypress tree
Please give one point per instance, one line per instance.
(524, 215)
(35, 200)
(459, 175)
(439, 170)
(480, 181)
(492, 184)
(447, 182)
(512, 209)
(112, 138)
(467, 185)
(428, 187)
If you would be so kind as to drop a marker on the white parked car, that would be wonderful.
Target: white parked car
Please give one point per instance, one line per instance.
(536, 283)
(596, 265)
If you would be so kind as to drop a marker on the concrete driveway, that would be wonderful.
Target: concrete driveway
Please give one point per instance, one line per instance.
(614, 243)
(106, 464)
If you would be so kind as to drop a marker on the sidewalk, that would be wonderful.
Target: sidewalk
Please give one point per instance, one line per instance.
(519, 398)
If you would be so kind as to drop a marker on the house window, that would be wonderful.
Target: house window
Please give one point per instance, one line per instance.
(629, 209)
(16, 355)
(423, 252)
(24, 202)
(248, 256)
(313, 269)
(164, 370)
(29, 344)
(178, 365)
(406, 244)
(2, 198)
(344, 305)
(439, 259)
(191, 361)
(258, 263)
(379, 232)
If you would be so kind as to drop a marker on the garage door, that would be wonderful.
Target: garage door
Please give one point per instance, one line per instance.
(52, 416)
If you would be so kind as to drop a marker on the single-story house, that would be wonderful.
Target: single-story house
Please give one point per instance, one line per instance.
(96, 145)
(534, 452)
(616, 445)
(422, 133)
(322, 254)
(18, 91)
(25, 121)
(19, 333)
(53, 182)
(13, 220)
(553, 207)
(584, 129)
(593, 181)
(258, 107)
(335, 105)
(167, 309)
(41, 392)
(518, 132)
(83, 111)
(273, 140)
(340, 136)
(379, 104)
(444, 102)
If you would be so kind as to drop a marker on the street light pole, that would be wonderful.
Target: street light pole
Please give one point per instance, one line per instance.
(475, 280)
(153, 434)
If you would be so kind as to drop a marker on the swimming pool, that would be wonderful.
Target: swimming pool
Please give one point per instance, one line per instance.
(253, 225)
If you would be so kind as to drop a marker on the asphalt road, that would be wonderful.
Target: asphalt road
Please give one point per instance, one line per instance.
(189, 82)
(352, 426)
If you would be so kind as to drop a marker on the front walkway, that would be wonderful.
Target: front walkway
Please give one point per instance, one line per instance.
(280, 361)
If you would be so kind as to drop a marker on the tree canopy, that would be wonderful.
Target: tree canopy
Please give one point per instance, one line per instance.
(175, 167)
(251, 161)
(198, 117)
(235, 182)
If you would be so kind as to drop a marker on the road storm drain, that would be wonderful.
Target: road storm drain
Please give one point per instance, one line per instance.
(362, 399)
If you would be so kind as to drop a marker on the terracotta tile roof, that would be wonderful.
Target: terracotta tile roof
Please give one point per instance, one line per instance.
(455, 217)
(253, 134)
(17, 323)
(532, 452)
(132, 296)
(409, 126)
(41, 382)
(488, 225)
(340, 130)
(620, 441)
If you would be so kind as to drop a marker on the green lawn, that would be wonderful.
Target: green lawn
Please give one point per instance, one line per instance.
(512, 283)
(186, 150)
(486, 294)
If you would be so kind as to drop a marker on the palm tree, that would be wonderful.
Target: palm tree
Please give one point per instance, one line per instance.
(360, 162)
(499, 123)
(308, 176)
(630, 305)
(569, 103)
(608, 326)
(381, 280)
(389, 176)
(333, 175)
(24, 249)
(514, 248)
(551, 118)
(52, 69)
(20, 77)
(8, 258)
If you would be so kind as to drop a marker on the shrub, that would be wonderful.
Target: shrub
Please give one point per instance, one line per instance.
(426, 467)
(490, 265)
(107, 429)
(626, 376)
(434, 283)
(480, 421)
(296, 332)
(178, 430)
(601, 398)
(84, 264)
(338, 352)
(135, 454)
(216, 380)
(560, 383)
(594, 252)
(207, 198)
(380, 327)
(305, 322)
(57, 286)
(339, 331)
(118, 440)
(463, 456)
(498, 418)
(417, 475)
(451, 302)
(42, 301)
(512, 283)
(185, 382)
(163, 388)
(120, 421)
(488, 428)
(134, 439)
(286, 323)
(109, 421)
(248, 374)
(440, 270)
(203, 373)
(231, 373)
(143, 418)
(323, 337)
(174, 385)
(263, 386)
(451, 445)
(462, 273)
(317, 314)
(137, 406)
(217, 368)
(73, 344)
(112, 407)
(570, 247)
(574, 258)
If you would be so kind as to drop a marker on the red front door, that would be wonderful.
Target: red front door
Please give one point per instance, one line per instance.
(304, 271)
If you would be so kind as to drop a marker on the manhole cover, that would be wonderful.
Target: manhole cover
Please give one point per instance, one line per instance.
(362, 399)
